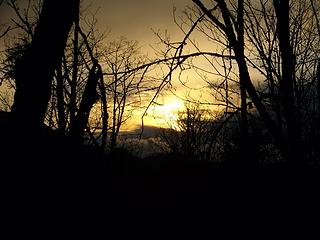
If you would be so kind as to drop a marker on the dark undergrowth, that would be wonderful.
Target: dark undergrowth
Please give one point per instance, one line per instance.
(54, 176)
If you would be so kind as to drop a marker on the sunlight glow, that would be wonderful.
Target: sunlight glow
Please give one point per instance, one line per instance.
(166, 114)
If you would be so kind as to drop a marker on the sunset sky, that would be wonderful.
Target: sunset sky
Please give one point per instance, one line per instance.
(135, 20)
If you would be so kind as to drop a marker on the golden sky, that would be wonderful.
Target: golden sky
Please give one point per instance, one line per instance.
(135, 19)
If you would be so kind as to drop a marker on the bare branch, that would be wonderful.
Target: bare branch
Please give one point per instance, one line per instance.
(5, 32)
(183, 57)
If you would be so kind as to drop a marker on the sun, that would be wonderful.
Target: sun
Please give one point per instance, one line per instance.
(166, 114)
(161, 115)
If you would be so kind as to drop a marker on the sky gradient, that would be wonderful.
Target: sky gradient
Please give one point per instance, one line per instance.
(135, 18)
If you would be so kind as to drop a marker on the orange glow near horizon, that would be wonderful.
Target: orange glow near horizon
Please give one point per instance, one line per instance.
(166, 114)
(159, 115)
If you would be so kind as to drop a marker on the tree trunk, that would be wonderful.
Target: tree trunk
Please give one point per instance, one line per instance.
(89, 98)
(60, 100)
(287, 82)
(105, 115)
(244, 142)
(74, 80)
(228, 29)
(113, 137)
(35, 71)
(318, 86)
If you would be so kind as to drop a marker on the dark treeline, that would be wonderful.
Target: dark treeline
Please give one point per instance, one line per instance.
(264, 68)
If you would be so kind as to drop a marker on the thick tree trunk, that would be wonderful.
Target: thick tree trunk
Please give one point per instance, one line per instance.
(33, 153)
(318, 87)
(287, 82)
(36, 69)
(316, 131)
(245, 150)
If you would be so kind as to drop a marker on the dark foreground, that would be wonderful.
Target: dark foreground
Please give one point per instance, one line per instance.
(69, 181)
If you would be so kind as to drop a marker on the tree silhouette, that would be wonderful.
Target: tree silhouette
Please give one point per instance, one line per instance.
(265, 60)
(34, 73)
(283, 26)
(123, 89)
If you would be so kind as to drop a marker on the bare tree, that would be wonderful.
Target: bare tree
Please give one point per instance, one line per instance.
(287, 82)
(78, 87)
(78, 83)
(123, 86)
(193, 137)
(302, 46)
(264, 46)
